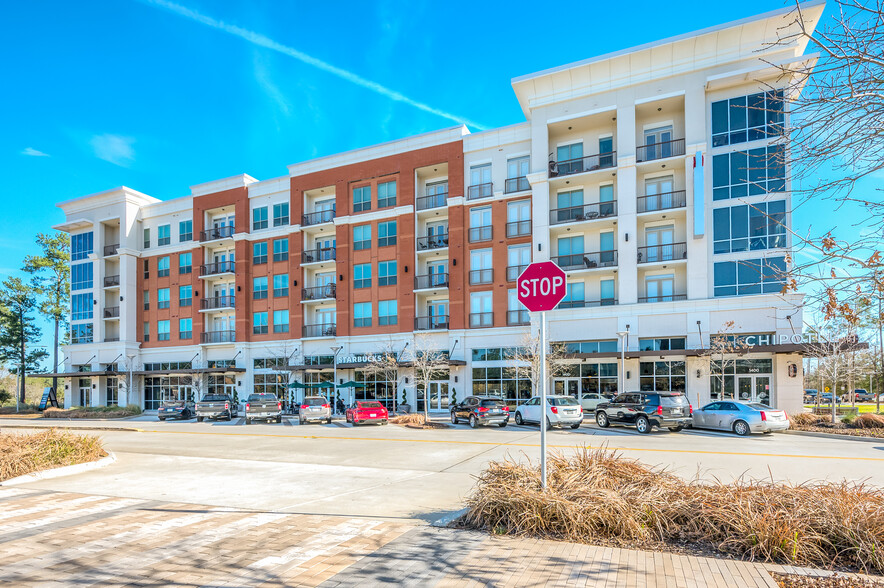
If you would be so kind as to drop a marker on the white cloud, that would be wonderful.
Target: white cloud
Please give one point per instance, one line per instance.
(33, 152)
(114, 148)
(262, 75)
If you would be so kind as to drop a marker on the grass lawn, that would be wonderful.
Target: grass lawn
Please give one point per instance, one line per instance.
(862, 408)
(26, 453)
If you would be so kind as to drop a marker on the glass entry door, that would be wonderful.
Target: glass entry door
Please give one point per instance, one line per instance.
(753, 389)
(439, 396)
(567, 386)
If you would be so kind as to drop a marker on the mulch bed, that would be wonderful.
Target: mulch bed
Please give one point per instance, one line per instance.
(836, 581)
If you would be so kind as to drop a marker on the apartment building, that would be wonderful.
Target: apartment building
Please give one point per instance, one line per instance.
(653, 176)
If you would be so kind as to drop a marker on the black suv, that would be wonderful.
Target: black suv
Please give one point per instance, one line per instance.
(481, 410)
(646, 410)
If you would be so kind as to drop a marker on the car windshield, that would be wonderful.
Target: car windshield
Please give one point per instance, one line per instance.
(673, 400)
(563, 401)
(370, 405)
(759, 406)
(215, 398)
(269, 397)
(315, 401)
(490, 403)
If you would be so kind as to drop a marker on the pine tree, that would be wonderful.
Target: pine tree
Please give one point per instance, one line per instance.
(19, 330)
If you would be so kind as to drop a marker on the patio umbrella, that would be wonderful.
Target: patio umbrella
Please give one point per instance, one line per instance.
(352, 384)
(298, 385)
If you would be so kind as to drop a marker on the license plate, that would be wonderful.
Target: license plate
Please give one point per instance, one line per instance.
(373, 415)
(676, 411)
(314, 408)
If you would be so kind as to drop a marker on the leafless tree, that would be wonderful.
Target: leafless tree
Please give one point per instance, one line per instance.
(527, 356)
(834, 365)
(385, 364)
(722, 352)
(427, 362)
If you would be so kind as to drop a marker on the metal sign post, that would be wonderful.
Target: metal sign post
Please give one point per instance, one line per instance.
(543, 399)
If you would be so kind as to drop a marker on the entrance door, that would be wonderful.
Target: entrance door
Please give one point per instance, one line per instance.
(745, 388)
(569, 386)
(762, 389)
(658, 192)
(438, 396)
(753, 389)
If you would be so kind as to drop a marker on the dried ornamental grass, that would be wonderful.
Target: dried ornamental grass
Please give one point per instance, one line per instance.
(23, 454)
(417, 420)
(869, 420)
(598, 495)
(93, 412)
(807, 419)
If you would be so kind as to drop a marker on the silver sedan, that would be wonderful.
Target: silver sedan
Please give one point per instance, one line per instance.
(740, 417)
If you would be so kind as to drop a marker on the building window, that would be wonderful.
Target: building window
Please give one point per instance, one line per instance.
(386, 273)
(608, 295)
(271, 384)
(259, 323)
(661, 344)
(185, 263)
(480, 181)
(164, 235)
(661, 376)
(388, 312)
(748, 173)
(387, 194)
(259, 252)
(163, 333)
(280, 214)
(81, 276)
(259, 288)
(386, 233)
(516, 170)
(146, 300)
(660, 288)
(362, 314)
(361, 237)
(163, 298)
(81, 246)
(755, 227)
(747, 118)
(111, 390)
(146, 331)
(163, 265)
(270, 363)
(599, 346)
(481, 271)
(146, 269)
(510, 384)
(259, 218)
(147, 238)
(361, 198)
(750, 276)
(280, 285)
(81, 307)
(518, 218)
(185, 328)
(480, 224)
(185, 231)
(280, 249)
(575, 295)
(481, 310)
(362, 275)
(280, 321)
(185, 295)
(82, 333)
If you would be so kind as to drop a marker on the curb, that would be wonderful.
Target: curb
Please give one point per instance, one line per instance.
(879, 440)
(449, 518)
(70, 470)
(67, 428)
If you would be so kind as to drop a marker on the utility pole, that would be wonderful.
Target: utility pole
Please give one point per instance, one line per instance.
(21, 322)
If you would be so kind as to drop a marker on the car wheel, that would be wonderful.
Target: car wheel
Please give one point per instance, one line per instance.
(501, 425)
(161, 418)
(741, 428)
(199, 419)
(453, 418)
(473, 422)
(643, 425)
(300, 421)
(519, 420)
(575, 425)
(248, 421)
(601, 420)
(548, 424)
(279, 419)
(328, 421)
(385, 422)
(676, 429)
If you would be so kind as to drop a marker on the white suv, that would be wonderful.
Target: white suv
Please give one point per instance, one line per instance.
(561, 411)
(314, 408)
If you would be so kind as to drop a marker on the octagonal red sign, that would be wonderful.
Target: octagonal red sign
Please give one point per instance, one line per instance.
(541, 286)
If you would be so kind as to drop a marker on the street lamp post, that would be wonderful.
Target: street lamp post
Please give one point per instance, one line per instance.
(621, 381)
(336, 350)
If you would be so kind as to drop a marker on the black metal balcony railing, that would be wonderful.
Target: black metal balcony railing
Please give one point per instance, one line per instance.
(111, 339)
(432, 242)
(582, 164)
(217, 302)
(429, 323)
(111, 249)
(481, 276)
(218, 267)
(518, 228)
(318, 218)
(112, 312)
(587, 303)
(319, 292)
(218, 337)
(480, 320)
(479, 234)
(319, 254)
(663, 298)
(323, 330)
(217, 233)
(480, 191)
(431, 281)
(666, 252)
(514, 271)
(110, 281)
(432, 201)
(659, 150)
(584, 212)
(587, 260)
(519, 184)
(518, 317)
(665, 201)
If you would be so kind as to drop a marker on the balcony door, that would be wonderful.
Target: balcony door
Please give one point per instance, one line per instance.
(324, 205)
(227, 220)
(220, 290)
(570, 250)
(222, 256)
(437, 188)
(480, 174)
(437, 310)
(223, 323)
(606, 248)
(657, 143)
(658, 192)
(660, 288)
(438, 234)
(324, 279)
(436, 271)
(659, 241)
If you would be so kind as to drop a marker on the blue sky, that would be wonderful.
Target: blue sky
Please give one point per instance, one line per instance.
(100, 94)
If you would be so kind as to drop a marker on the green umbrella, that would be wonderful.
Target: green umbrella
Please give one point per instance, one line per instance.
(323, 385)
(298, 385)
(352, 384)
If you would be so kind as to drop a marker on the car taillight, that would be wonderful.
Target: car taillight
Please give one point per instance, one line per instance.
(279, 405)
(660, 409)
(691, 409)
(226, 406)
(506, 408)
(325, 406)
(304, 406)
(554, 409)
(763, 415)
(483, 409)
(248, 406)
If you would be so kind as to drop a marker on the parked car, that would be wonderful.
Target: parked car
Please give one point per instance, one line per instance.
(826, 398)
(810, 395)
(646, 410)
(263, 407)
(216, 406)
(862, 395)
(367, 411)
(175, 409)
(481, 410)
(314, 408)
(591, 401)
(740, 417)
(561, 411)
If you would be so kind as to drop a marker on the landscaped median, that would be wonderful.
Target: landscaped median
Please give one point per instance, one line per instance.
(93, 412)
(35, 452)
(596, 496)
(864, 425)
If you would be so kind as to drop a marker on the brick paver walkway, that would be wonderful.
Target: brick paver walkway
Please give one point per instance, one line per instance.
(62, 539)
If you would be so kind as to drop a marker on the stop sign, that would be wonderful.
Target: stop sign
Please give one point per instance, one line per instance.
(541, 286)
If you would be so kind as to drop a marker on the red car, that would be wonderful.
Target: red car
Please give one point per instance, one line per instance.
(367, 412)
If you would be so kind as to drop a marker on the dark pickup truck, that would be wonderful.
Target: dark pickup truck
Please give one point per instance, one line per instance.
(263, 407)
(216, 406)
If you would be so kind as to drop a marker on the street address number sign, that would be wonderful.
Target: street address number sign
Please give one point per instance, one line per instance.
(541, 286)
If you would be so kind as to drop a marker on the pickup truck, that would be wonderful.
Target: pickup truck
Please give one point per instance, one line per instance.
(216, 406)
(263, 407)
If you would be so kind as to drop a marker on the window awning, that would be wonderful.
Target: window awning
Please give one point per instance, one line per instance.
(189, 371)
(77, 374)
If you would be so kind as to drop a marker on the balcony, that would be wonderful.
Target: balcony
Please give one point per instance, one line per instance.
(519, 184)
(579, 165)
(432, 201)
(481, 320)
(111, 281)
(514, 271)
(217, 302)
(324, 330)
(579, 261)
(217, 233)
(479, 234)
(659, 150)
(584, 212)
(431, 323)
(432, 242)
(518, 317)
(480, 191)
(111, 249)
(663, 298)
(217, 268)
(324, 292)
(665, 201)
(430, 281)
(658, 253)
(319, 254)
(112, 312)
(481, 276)
(318, 218)
(520, 228)
(217, 337)
(587, 303)
(111, 339)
